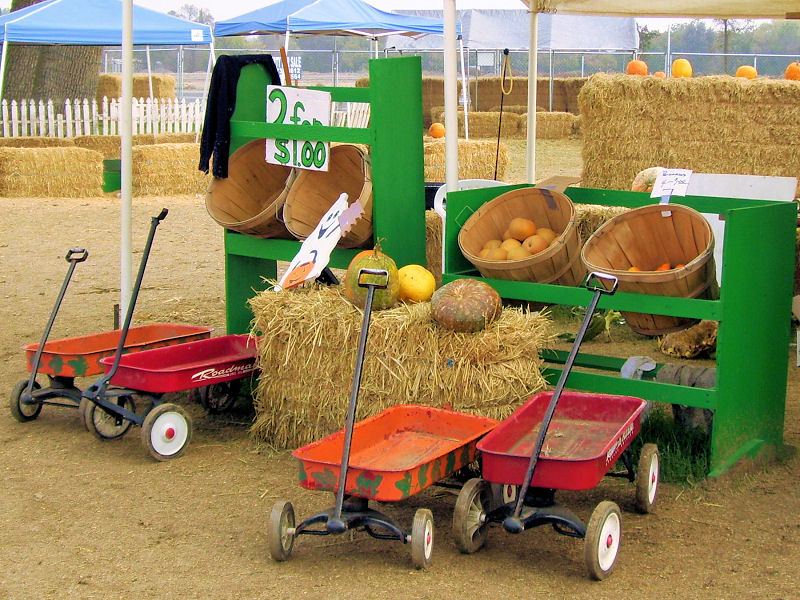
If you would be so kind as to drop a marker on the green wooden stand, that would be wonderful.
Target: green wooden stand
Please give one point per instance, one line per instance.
(753, 311)
(395, 139)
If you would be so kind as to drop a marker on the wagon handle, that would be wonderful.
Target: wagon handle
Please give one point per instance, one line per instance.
(381, 272)
(513, 523)
(76, 255)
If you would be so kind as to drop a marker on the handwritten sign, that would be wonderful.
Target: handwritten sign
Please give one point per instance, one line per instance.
(315, 252)
(287, 106)
(671, 182)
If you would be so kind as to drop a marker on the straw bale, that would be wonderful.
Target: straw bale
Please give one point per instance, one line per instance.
(307, 366)
(485, 93)
(110, 86)
(110, 146)
(519, 109)
(50, 172)
(476, 159)
(486, 124)
(716, 124)
(164, 169)
(550, 125)
(589, 217)
(362, 82)
(175, 138)
(35, 142)
(433, 244)
(572, 87)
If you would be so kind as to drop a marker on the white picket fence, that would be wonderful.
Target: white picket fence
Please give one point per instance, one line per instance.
(87, 117)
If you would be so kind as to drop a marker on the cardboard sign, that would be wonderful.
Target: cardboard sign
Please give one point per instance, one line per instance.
(288, 105)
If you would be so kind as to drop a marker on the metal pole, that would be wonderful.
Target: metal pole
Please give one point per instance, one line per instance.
(450, 96)
(533, 74)
(126, 141)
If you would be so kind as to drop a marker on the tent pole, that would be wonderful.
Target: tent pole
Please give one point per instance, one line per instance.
(3, 65)
(533, 74)
(464, 94)
(126, 139)
(149, 72)
(450, 96)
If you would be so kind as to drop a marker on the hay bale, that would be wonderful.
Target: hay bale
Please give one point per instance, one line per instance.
(589, 217)
(50, 172)
(110, 86)
(486, 124)
(164, 169)
(433, 244)
(476, 159)
(716, 124)
(550, 125)
(572, 87)
(485, 93)
(110, 146)
(176, 138)
(36, 142)
(307, 350)
(519, 109)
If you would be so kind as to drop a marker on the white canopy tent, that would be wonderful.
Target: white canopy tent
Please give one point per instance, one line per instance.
(745, 9)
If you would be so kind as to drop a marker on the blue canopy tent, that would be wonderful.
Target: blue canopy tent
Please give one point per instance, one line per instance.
(104, 23)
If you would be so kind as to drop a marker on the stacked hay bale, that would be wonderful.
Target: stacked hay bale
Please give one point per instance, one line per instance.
(110, 146)
(549, 125)
(64, 172)
(485, 93)
(572, 88)
(110, 86)
(486, 124)
(35, 142)
(164, 169)
(433, 244)
(432, 97)
(716, 124)
(476, 159)
(176, 138)
(306, 377)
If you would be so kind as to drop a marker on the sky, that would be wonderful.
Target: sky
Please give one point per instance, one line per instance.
(225, 9)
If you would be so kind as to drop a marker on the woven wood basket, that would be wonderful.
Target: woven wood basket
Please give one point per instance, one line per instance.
(650, 236)
(250, 200)
(314, 192)
(559, 263)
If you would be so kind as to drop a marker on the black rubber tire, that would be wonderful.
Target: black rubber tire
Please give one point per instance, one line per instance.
(280, 539)
(104, 425)
(166, 431)
(23, 412)
(219, 397)
(83, 407)
(647, 476)
(603, 540)
(469, 530)
(422, 539)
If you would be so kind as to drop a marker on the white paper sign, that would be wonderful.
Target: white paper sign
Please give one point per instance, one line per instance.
(288, 105)
(315, 252)
(671, 182)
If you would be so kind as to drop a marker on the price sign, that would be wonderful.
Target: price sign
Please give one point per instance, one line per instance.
(288, 105)
(671, 182)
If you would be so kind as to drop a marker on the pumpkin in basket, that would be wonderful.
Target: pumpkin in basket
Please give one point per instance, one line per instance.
(466, 305)
(645, 179)
(372, 259)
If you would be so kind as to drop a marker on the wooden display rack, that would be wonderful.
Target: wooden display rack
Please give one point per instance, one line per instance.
(753, 311)
(395, 139)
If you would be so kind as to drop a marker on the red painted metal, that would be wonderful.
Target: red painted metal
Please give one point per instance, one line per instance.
(587, 435)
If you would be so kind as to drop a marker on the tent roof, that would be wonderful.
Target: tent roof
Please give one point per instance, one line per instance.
(97, 23)
(722, 9)
(510, 28)
(327, 17)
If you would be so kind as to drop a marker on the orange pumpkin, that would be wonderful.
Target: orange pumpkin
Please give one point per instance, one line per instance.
(747, 72)
(436, 130)
(793, 71)
(637, 67)
(681, 68)
(659, 74)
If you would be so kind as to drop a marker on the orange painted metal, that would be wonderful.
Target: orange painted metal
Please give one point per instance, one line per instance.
(396, 453)
(80, 356)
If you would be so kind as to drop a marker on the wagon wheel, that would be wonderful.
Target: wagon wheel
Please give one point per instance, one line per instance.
(647, 475)
(469, 516)
(219, 397)
(422, 538)
(280, 532)
(166, 431)
(503, 493)
(83, 408)
(603, 537)
(23, 412)
(107, 425)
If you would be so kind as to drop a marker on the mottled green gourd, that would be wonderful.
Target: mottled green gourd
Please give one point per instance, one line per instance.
(372, 259)
(466, 305)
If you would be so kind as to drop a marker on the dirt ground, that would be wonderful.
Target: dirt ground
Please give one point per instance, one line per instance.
(89, 519)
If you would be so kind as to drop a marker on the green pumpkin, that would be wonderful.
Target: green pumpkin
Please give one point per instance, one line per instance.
(372, 259)
(466, 305)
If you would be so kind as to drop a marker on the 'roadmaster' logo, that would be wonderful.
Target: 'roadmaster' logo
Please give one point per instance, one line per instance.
(617, 445)
(240, 369)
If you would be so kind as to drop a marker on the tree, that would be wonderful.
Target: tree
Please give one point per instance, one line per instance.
(731, 25)
(50, 72)
(190, 12)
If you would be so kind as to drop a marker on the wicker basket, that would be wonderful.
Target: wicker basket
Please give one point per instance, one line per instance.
(314, 192)
(250, 199)
(647, 237)
(559, 263)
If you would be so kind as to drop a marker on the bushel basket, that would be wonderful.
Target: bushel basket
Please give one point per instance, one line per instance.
(250, 200)
(559, 263)
(646, 238)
